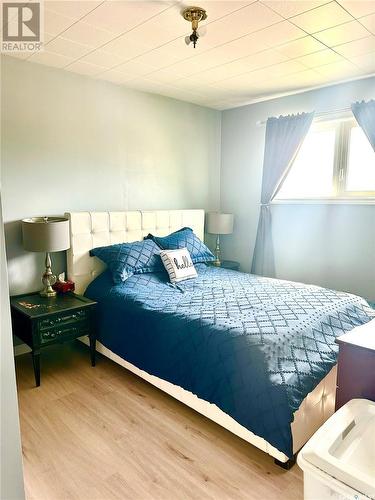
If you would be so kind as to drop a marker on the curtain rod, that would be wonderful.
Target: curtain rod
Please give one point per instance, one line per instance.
(260, 123)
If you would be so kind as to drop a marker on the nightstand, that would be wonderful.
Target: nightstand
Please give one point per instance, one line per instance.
(230, 264)
(355, 369)
(43, 321)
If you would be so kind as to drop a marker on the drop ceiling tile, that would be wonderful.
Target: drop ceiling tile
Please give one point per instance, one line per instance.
(166, 76)
(103, 58)
(174, 93)
(146, 85)
(247, 45)
(184, 68)
(322, 18)
(320, 58)
(195, 64)
(300, 47)
(304, 79)
(280, 33)
(85, 68)
(341, 34)
(116, 77)
(123, 46)
(51, 59)
(217, 9)
(56, 23)
(292, 7)
(338, 69)
(358, 8)
(369, 22)
(286, 68)
(357, 48)
(309, 77)
(238, 84)
(159, 57)
(87, 34)
(219, 56)
(224, 71)
(73, 9)
(48, 37)
(120, 16)
(191, 84)
(365, 61)
(263, 59)
(248, 20)
(152, 35)
(67, 48)
(135, 68)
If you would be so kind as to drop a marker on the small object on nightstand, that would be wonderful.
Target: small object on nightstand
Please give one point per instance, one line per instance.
(62, 286)
(356, 365)
(43, 321)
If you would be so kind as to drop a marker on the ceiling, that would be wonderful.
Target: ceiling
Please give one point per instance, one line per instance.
(252, 49)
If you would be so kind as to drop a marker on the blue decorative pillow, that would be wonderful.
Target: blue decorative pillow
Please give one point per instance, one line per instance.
(126, 259)
(184, 238)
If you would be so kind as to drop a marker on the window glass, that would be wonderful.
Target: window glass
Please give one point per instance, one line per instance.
(311, 174)
(361, 162)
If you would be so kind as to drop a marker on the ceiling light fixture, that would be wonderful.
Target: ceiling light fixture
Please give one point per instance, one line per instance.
(194, 15)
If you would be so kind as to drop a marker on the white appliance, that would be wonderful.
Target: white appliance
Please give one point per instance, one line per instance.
(338, 462)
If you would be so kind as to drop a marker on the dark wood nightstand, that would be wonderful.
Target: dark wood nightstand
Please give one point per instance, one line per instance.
(356, 365)
(230, 264)
(43, 321)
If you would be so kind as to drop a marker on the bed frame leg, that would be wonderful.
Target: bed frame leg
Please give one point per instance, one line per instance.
(286, 465)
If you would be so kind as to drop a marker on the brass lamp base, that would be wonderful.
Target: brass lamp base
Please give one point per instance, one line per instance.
(46, 292)
(48, 279)
(217, 261)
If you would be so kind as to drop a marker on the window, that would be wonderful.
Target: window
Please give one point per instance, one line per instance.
(335, 160)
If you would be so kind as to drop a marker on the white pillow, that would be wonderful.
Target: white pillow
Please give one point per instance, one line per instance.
(178, 264)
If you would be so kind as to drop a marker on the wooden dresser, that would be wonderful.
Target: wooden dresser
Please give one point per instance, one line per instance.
(356, 365)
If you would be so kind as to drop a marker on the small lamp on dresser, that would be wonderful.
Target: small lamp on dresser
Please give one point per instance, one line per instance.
(46, 234)
(218, 223)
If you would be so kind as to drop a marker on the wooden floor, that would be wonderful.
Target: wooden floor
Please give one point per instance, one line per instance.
(103, 433)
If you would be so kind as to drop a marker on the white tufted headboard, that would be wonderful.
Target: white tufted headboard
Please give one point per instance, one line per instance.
(97, 229)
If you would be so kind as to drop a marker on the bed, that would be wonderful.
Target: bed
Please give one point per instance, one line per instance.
(165, 318)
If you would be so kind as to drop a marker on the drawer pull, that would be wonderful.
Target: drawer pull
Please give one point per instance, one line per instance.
(68, 331)
(48, 323)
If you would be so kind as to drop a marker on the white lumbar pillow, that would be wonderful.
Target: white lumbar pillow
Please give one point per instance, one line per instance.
(178, 264)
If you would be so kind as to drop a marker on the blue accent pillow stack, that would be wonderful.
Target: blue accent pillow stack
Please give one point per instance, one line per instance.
(184, 238)
(125, 259)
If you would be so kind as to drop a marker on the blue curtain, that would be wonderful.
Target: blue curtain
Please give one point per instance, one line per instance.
(364, 113)
(284, 136)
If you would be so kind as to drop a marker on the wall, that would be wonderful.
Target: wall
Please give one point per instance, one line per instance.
(329, 245)
(11, 475)
(74, 143)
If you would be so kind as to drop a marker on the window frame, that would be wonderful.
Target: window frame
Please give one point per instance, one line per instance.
(342, 125)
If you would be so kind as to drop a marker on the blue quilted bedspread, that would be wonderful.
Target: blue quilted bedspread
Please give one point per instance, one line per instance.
(253, 346)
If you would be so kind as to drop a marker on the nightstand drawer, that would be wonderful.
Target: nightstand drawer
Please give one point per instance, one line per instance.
(78, 329)
(63, 319)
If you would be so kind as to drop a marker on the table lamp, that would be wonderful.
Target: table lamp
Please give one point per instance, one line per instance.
(46, 234)
(218, 224)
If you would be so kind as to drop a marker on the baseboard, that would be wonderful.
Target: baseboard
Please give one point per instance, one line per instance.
(21, 349)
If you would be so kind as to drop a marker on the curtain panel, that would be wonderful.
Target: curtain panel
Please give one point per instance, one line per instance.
(284, 137)
(364, 113)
